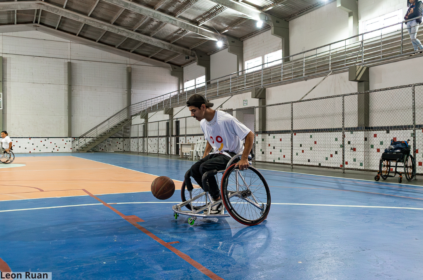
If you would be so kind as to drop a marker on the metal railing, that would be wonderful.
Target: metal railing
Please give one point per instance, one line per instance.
(327, 131)
(363, 49)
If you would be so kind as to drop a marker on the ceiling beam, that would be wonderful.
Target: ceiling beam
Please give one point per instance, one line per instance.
(209, 15)
(185, 7)
(30, 5)
(83, 41)
(157, 15)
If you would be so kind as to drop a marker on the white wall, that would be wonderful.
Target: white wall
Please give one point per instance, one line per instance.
(369, 9)
(261, 45)
(193, 71)
(320, 27)
(222, 63)
(396, 74)
(36, 84)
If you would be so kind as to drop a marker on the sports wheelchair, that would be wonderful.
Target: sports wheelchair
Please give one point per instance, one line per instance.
(397, 152)
(245, 196)
(7, 157)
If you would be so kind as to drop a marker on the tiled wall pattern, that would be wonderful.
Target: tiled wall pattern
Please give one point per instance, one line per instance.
(362, 149)
(42, 145)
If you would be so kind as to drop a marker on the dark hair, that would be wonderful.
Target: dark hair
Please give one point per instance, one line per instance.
(198, 100)
(5, 132)
(409, 4)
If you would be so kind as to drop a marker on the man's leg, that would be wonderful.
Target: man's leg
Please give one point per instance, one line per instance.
(412, 35)
(216, 162)
(195, 173)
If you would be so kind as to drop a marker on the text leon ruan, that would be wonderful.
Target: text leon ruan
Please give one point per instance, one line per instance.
(26, 275)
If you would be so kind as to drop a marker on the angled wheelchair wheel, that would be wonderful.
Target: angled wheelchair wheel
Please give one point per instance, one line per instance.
(7, 158)
(384, 168)
(246, 195)
(200, 202)
(409, 168)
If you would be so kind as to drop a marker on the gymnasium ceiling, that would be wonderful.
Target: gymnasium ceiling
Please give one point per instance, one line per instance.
(162, 36)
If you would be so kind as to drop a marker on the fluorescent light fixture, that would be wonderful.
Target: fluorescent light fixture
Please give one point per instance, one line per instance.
(219, 44)
(259, 24)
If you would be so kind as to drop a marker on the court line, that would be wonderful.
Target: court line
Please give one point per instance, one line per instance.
(175, 202)
(354, 179)
(184, 256)
(4, 267)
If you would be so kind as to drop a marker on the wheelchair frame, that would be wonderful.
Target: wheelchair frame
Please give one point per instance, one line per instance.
(204, 212)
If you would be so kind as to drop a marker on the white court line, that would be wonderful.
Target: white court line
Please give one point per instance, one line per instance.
(174, 202)
(49, 170)
(373, 181)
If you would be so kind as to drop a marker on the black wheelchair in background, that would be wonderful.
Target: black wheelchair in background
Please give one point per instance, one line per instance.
(397, 152)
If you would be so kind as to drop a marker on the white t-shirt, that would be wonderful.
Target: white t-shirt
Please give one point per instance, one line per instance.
(5, 142)
(225, 133)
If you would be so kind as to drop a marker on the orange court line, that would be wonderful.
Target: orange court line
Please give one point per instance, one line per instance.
(4, 267)
(133, 221)
(65, 176)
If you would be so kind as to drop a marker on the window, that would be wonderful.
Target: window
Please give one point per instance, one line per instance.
(383, 21)
(195, 83)
(253, 65)
(273, 58)
(200, 81)
(189, 85)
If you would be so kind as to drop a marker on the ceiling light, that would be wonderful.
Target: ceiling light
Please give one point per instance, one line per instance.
(219, 44)
(259, 24)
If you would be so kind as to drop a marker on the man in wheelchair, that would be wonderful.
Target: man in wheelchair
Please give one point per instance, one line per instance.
(6, 142)
(224, 134)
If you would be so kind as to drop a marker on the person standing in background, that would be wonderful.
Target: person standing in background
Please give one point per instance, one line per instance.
(414, 11)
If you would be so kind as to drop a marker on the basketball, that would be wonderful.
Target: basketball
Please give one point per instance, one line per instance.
(162, 187)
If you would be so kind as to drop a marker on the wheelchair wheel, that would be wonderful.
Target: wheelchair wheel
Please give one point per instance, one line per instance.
(409, 167)
(196, 191)
(7, 158)
(384, 168)
(246, 195)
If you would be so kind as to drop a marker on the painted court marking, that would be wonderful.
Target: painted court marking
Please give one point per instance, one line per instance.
(134, 220)
(175, 202)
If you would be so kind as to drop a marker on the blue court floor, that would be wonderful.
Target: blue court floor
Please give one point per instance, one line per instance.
(318, 228)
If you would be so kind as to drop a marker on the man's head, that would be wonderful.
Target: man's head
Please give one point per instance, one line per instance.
(411, 2)
(197, 105)
(4, 134)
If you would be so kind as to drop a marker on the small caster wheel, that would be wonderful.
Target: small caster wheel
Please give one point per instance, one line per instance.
(191, 221)
(377, 178)
(176, 215)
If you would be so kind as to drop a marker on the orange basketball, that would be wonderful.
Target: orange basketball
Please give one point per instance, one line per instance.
(162, 187)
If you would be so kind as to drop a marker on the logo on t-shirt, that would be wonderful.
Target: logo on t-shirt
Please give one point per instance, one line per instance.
(218, 140)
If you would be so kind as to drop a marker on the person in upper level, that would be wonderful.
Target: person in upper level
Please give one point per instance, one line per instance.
(414, 12)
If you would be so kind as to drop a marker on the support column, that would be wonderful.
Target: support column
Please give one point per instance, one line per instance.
(360, 74)
(169, 111)
(69, 69)
(178, 72)
(144, 115)
(260, 94)
(236, 47)
(129, 88)
(203, 60)
(279, 28)
(351, 7)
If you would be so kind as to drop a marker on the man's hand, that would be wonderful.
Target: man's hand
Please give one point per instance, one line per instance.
(242, 164)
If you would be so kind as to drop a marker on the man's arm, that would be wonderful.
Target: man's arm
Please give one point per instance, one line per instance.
(249, 141)
(207, 150)
(10, 147)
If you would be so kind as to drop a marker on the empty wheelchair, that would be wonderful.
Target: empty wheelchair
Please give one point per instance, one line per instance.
(397, 152)
(7, 157)
(244, 193)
